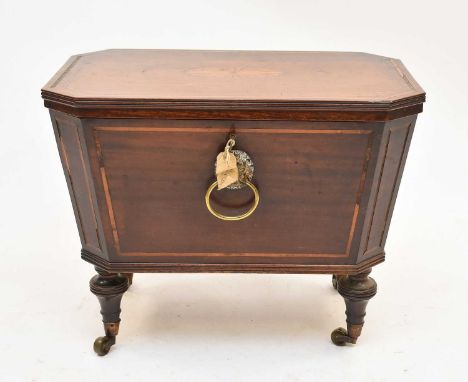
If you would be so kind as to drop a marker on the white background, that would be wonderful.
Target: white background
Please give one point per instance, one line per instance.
(233, 327)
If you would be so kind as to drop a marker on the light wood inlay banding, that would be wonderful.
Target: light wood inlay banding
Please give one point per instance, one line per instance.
(103, 129)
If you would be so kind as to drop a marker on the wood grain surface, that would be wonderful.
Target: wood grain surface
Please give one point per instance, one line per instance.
(153, 83)
(234, 75)
(157, 177)
(138, 132)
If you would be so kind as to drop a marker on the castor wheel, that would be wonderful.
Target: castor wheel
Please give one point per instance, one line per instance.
(335, 281)
(102, 345)
(340, 337)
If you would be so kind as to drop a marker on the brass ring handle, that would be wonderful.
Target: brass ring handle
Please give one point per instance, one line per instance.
(231, 218)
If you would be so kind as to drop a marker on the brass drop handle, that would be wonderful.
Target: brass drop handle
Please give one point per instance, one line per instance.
(231, 218)
(234, 170)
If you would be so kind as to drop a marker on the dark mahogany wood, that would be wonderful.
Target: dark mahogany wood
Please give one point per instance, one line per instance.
(138, 132)
(234, 85)
(337, 179)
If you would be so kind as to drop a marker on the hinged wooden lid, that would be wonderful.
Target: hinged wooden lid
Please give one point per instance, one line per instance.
(316, 85)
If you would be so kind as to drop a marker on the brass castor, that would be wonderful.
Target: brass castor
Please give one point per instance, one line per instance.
(102, 345)
(340, 337)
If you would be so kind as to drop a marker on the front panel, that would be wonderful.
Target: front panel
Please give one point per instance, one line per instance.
(313, 179)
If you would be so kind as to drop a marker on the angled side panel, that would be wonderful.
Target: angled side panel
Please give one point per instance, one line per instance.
(392, 158)
(73, 155)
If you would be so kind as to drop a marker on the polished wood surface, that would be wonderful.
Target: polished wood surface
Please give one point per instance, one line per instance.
(234, 75)
(327, 193)
(152, 83)
(327, 188)
(156, 176)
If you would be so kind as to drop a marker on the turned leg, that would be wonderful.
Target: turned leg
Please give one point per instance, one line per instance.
(356, 290)
(109, 289)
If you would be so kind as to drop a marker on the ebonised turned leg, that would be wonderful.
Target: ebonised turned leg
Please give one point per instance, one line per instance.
(109, 289)
(356, 290)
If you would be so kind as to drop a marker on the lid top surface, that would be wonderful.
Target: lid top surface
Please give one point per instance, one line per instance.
(127, 74)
